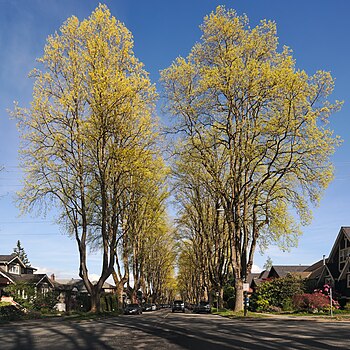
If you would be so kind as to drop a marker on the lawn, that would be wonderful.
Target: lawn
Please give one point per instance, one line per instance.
(338, 315)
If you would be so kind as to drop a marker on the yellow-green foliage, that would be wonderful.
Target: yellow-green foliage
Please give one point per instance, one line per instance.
(90, 124)
(89, 137)
(254, 128)
(242, 102)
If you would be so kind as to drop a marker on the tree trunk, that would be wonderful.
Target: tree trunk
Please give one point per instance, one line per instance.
(221, 298)
(239, 295)
(95, 300)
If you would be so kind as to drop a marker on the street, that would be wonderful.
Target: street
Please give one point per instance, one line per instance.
(165, 330)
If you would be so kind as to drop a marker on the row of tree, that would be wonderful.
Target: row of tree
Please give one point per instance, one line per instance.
(252, 146)
(90, 148)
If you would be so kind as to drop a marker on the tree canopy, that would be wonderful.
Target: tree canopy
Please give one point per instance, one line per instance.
(89, 134)
(257, 127)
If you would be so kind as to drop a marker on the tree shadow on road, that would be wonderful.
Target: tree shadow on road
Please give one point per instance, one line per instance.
(190, 333)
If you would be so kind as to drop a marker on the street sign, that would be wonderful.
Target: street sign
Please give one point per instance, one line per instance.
(245, 287)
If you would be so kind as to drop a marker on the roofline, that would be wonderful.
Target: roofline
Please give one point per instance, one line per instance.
(321, 274)
(336, 241)
(329, 272)
(45, 276)
(4, 274)
(17, 257)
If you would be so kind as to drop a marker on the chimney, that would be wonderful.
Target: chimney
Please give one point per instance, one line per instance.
(324, 260)
(52, 277)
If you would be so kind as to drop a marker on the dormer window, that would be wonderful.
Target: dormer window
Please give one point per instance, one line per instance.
(14, 269)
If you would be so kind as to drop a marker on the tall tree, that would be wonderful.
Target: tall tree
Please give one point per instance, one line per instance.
(88, 131)
(200, 222)
(19, 250)
(236, 95)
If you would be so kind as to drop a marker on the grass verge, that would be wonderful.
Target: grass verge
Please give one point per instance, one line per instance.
(238, 314)
(338, 316)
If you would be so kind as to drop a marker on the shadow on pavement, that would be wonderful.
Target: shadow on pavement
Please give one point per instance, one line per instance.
(187, 332)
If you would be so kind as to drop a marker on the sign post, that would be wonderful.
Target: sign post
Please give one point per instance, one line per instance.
(245, 297)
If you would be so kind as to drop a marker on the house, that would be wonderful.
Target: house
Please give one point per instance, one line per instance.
(14, 271)
(278, 271)
(73, 294)
(335, 270)
(256, 279)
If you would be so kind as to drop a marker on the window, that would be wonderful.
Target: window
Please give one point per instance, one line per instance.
(348, 280)
(14, 269)
(44, 289)
(343, 254)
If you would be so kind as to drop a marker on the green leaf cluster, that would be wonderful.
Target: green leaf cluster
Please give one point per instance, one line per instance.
(277, 293)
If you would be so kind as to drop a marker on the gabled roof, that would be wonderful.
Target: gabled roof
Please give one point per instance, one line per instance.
(316, 265)
(6, 275)
(284, 270)
(107, 285)
(31, 278)
(8, 259)
(317, 273)
(344, 230)
(69, 284)
(250, 277)
(264, 274)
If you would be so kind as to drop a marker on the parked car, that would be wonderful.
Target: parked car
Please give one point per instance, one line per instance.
(153, 307)
(133, 309)
(203, 306)
(146, 307)
(178, 305)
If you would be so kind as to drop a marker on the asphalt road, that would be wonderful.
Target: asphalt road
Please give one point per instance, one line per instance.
(165, 330)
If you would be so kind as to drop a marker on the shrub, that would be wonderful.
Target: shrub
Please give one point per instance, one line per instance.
(44, 303)
(287, 305)
(311, 302)
(260, 304)
(277, 293)
(10, 313)
(33, 300)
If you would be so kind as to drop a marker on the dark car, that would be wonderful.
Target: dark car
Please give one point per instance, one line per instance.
(133, 309)
(178, 305)
(203, 306)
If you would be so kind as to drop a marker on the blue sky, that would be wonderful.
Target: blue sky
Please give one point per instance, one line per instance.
(317, 31)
